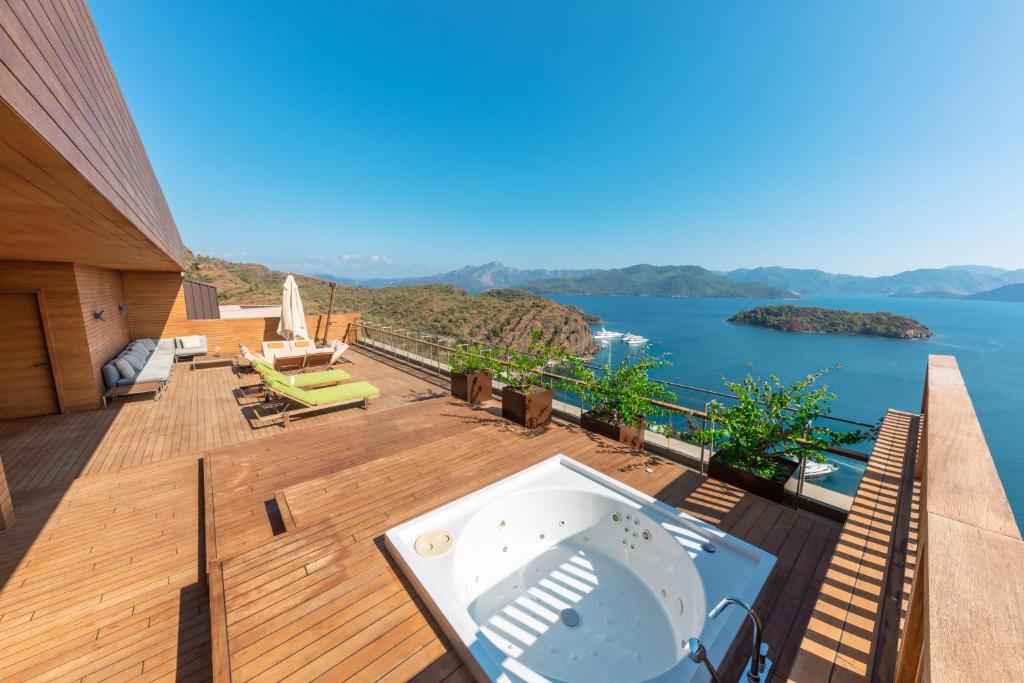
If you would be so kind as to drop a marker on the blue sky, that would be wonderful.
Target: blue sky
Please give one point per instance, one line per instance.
(386, 139)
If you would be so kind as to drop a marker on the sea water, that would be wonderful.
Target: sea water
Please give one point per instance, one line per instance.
(987, 338)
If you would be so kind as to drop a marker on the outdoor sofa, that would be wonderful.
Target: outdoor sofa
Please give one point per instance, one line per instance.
(149, 360)
(142, 361)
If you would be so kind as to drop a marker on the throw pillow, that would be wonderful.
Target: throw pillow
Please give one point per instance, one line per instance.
(110, 375)
(125, 368)
(134, 361)
(148, 343)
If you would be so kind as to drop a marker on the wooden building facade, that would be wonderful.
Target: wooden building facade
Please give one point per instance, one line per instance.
(79, 207)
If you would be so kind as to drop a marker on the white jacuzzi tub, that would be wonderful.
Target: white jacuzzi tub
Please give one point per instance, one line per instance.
(560, 573)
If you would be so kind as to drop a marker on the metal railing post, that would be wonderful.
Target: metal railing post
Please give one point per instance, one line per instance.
(803, 474)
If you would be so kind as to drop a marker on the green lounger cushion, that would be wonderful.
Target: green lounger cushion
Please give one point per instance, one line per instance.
(305, 379)
(327, 395)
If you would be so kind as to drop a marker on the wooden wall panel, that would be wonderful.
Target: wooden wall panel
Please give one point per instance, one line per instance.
(156, 309)
(969, 592)
(100, 289)
(62, 313)
(92, 176)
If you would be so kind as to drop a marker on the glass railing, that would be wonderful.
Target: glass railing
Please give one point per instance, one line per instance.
(666, 435)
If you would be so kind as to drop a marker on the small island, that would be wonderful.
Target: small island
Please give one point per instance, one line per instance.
(789, 318)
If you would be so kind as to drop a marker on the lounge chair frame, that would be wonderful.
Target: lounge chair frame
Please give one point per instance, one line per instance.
(281, 404)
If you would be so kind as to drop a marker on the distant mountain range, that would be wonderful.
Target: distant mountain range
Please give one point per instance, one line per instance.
(766, 282)
(959, 280)
(646, 280)
(473, 279)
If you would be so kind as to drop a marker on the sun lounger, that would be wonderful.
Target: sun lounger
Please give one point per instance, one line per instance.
(293, 401)
(306, 380)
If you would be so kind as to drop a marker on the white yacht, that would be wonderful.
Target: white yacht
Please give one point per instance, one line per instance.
(630, 338)
(606, 334)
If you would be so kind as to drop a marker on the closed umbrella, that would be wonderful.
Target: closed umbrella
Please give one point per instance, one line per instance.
(293, 318)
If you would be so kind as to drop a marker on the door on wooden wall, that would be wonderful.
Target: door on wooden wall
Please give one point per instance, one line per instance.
(26, 379)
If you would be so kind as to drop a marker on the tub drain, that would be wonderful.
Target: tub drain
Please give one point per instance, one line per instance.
(570, 617)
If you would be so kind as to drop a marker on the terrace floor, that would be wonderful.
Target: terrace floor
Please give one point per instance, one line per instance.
(102, 573)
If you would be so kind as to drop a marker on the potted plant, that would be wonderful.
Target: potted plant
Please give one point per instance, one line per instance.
(471, 369)
(523, 399)
(620, 399)
(761, 439)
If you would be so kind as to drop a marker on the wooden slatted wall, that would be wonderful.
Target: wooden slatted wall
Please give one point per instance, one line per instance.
(70, 156)
(100, 290)
(157, 309)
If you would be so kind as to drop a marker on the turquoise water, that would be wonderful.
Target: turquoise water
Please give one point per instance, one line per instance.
(987, 338)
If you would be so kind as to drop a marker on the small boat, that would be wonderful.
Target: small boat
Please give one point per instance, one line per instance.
(606, 334)
(816, 470)
(630, 338)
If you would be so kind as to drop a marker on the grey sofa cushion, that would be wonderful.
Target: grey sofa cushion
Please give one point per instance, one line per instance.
(148, 343)
(110, 375)
(134, 361)
(158, 369)
(188, 353)
(163, 353)
(125, 368)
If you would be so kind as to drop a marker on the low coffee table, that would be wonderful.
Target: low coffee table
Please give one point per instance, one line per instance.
(211, 361)
(138, 389)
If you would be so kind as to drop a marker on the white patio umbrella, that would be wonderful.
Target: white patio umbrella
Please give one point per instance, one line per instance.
(293, 318)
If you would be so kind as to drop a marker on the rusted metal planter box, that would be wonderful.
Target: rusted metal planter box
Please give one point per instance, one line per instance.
(766, 488)
(473, 387)
(530, 410)
(624, 433)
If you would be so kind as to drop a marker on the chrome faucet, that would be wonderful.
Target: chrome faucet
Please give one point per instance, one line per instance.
(759, 667)
(694, 649)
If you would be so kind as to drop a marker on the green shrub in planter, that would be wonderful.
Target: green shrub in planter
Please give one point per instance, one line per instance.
(770, 419)
(622, 395)
(469, 358)
(523, 371)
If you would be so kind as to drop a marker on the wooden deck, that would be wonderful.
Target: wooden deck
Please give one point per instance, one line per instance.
(101, 572)
(118, 512)
(304, 588)
(200, 410)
